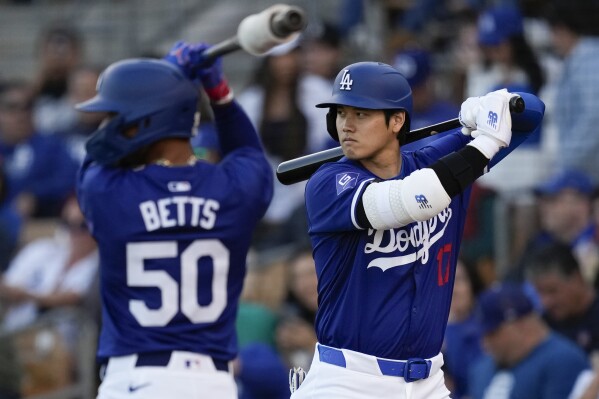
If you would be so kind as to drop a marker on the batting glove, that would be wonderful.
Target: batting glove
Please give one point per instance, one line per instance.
(493, 123)
(468, 112)
(189, 58)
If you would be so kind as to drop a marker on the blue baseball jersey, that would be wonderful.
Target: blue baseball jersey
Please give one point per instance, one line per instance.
(173, 243)
(376, 287)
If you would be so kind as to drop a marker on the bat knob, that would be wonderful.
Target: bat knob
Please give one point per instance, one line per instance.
(290, 21)
(517, 105)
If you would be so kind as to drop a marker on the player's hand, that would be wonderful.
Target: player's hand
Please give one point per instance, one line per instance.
(468, 113)
(186, 58)
(189, 58)
(493, 123)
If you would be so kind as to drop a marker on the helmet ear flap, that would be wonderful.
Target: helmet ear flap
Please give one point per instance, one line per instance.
(332, 123)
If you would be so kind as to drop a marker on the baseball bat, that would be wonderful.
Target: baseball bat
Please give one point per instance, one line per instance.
(258, 33)
(299, 169)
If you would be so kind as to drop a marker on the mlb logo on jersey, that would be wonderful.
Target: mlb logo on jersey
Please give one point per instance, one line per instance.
(346, 81)
(345, 181)
(179, 186)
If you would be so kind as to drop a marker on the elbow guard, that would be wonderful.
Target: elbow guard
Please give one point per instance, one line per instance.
(396, 203)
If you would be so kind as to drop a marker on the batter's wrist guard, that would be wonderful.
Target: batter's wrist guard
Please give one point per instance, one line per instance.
(220, 94)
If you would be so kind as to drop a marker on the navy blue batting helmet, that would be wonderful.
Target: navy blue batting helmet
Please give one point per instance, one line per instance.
(149, 93)
(369, 85)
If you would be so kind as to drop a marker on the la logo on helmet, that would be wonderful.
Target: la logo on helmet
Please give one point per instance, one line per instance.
(346, 81)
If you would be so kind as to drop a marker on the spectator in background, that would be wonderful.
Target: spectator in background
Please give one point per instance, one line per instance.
(40, 173)
(296, 335)
(565, 216)
(273, 104)
(595, 217)
(416, 66)
(507, 57)
(81, 87)
(10, 225)
(322, 54)
(260, 370)
(587, 386)
(575, 37)
(261, 373)
(60, 51)
(526, 359)
(480, 228)
(50, 272)
(570, 304)
(462, 336)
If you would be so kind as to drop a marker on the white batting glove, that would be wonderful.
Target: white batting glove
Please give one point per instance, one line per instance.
(468, 112)
(493, 123)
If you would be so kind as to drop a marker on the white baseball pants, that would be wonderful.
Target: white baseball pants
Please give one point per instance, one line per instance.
(186, 375)
(362, 378)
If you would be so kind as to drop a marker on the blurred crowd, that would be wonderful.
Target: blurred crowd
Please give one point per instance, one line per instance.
(530, 324)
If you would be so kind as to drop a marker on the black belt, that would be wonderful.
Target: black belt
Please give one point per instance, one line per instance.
(162, 358)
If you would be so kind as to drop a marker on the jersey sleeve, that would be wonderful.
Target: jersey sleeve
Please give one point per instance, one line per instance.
(235, 129)
(439, 148)
(249, 171)
(518, 137)
(332, 195)
(244, 160)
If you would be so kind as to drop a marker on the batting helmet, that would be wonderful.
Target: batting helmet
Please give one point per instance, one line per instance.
(152, 94)
(369, 85)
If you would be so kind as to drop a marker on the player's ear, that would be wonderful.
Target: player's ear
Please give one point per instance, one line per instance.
(397, 121)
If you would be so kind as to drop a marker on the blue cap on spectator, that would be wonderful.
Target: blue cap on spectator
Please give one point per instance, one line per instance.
(414, 65)
(502, 303)
(496, 25)
(568, 178)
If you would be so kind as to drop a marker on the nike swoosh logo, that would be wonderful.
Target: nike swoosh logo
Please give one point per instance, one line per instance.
(133, 388)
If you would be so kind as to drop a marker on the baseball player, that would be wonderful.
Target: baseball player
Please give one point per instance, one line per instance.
(173, 232)
(385, 227)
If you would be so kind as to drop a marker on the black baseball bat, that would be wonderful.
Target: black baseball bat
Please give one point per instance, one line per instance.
(281, 24)
(300, 169)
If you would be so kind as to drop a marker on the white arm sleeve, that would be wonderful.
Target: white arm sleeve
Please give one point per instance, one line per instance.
(396, 203)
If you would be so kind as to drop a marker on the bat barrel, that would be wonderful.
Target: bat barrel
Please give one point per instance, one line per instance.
(297, 169)
(282, 22)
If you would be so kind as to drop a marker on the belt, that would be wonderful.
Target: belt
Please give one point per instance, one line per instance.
(413, 369)
(162, 359)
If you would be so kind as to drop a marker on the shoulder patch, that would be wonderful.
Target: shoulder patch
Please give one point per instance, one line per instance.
(345, 181)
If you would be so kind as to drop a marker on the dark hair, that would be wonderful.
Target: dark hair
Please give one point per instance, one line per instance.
(526, 59)
(579, 16)
(403, 132)
(63, 33)
(324, 32)
(553, 257)
(285, 139)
